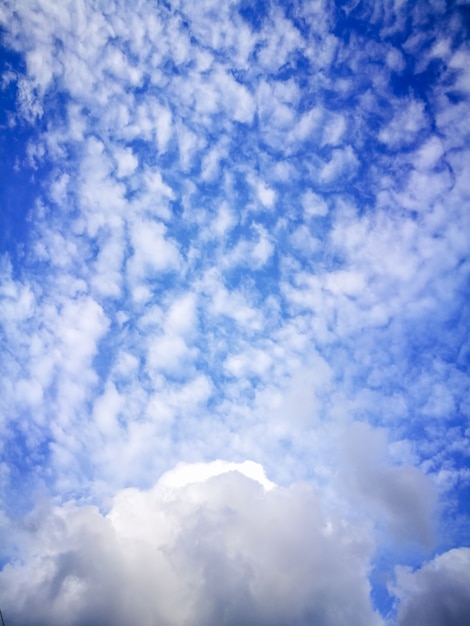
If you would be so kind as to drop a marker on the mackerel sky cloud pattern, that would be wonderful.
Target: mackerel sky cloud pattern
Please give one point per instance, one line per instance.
(234, 313)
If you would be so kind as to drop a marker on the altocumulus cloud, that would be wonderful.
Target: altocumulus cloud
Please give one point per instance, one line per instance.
(234, 230)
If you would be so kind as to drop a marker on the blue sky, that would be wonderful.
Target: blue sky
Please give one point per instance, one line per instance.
(234, 313)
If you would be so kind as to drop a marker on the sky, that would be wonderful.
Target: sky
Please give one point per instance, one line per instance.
(234, 313)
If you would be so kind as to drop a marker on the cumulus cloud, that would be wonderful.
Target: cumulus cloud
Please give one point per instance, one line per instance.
(212, 544)
(437, 593)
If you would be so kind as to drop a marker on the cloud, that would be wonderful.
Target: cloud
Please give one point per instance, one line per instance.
(405, 126)
(232, 230)
(265, 195)
(126, 162)
(402, 494)
(437, 593)
(314, 205)
(212, 544)
(153, 252)
(343, 163)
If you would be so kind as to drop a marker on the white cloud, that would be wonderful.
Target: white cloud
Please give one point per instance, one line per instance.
(307, 124)
(182, 315)
(225, 221)
(106, 411)
(152, 251)
(169, 353)
(314, 205)
(265, 195)
(163, 121)
(347, 282)
(126, 160)
(252, 362)
(210, 165)
(189, 144)
(404, 127)
(334, 130)
(107, 278)
(395, 60)
(429, 153)
(186, 474)
(236, 306)
(281, 40)
(343, 163)
(235, 97)
(302, 240)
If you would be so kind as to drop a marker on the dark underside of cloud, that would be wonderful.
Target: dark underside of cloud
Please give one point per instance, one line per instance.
(224, 551)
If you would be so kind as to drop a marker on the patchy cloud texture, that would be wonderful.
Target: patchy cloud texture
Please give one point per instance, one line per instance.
(234, 230)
